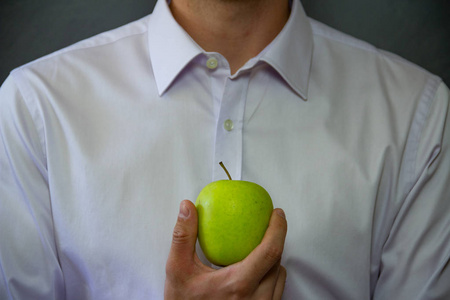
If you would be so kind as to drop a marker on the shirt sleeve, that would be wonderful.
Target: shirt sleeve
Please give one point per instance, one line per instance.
(29, 266)
(415, 256)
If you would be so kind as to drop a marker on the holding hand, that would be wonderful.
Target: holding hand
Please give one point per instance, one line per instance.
(258, 276)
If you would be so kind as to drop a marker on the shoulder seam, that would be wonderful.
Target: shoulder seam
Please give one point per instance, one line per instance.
(344, 38)
(417, 125)
(78, 45)
(323, 30)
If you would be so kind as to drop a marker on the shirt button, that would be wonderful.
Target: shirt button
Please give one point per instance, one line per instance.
(211, 63)
(228, 125)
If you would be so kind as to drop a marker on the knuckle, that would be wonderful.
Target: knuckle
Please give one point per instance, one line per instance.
(173, 270)
(241, 289)
(170, 271)
(282, 224)
(273, 253)
(176, 273)
(237, 286)
(180, 235)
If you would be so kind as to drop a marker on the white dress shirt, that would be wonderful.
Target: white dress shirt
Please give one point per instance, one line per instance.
(99, 143)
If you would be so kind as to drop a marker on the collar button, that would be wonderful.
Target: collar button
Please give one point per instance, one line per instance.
(211, 63)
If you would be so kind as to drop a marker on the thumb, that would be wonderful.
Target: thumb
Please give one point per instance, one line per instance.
(184, 234)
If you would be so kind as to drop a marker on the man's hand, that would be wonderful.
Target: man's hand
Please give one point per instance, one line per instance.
(258, 276)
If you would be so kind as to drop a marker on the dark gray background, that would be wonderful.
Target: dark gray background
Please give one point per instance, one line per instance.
(418, 30)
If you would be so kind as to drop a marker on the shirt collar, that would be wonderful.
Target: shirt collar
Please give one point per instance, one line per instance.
(289, 53)
(171, 48)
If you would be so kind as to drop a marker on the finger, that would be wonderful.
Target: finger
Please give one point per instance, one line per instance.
(182, 250)
(279, 286)
(269, 251)
(266, 287)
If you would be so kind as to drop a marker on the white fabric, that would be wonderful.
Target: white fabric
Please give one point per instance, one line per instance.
(101, 141)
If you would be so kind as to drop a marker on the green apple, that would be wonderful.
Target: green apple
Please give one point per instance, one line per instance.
(233, 216)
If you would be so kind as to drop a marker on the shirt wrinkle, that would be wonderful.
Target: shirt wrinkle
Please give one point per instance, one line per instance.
(17, 76)
(346, 167)
(419, 121)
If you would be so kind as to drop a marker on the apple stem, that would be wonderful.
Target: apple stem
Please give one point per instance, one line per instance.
(225, 169)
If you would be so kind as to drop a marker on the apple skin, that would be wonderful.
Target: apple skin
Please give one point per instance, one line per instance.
(233, 216)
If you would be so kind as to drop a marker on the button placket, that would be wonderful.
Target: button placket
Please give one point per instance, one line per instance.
(228, 144)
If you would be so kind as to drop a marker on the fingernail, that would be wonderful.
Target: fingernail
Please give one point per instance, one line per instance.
(280, 212)
(184, 211)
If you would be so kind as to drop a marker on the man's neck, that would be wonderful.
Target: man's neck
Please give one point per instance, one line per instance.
(237, 29)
